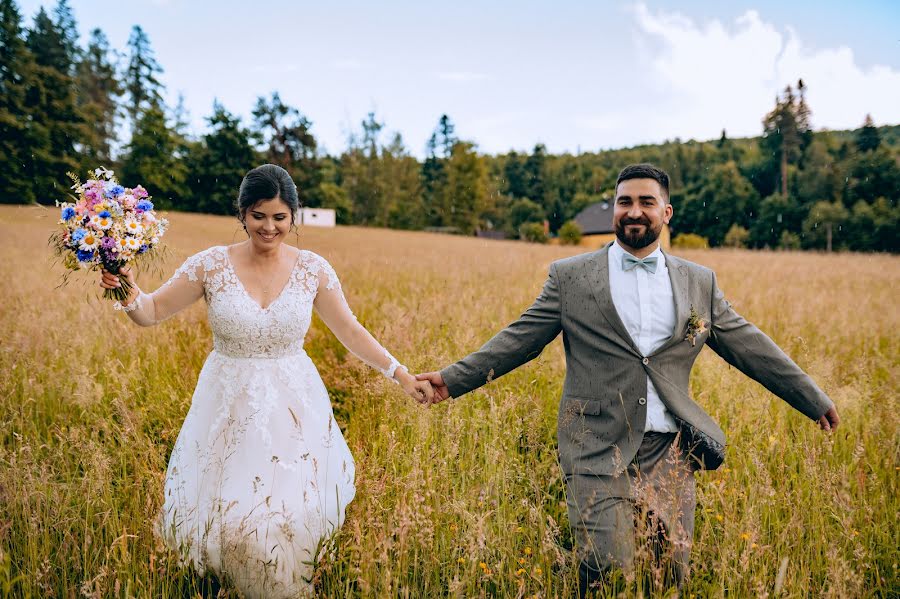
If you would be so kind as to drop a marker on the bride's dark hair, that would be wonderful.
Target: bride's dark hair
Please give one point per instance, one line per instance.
(267, 182)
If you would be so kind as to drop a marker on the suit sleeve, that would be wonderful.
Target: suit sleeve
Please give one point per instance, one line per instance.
(520, 342)
(752, 352)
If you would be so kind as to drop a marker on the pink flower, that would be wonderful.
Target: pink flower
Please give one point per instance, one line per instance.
(139, 192)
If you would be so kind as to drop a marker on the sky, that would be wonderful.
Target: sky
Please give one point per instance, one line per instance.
(575, 76)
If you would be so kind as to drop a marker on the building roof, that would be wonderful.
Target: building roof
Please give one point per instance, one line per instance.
(596, 218)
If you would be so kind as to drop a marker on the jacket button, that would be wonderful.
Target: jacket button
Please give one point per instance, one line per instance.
(645, 361)
(642, 401)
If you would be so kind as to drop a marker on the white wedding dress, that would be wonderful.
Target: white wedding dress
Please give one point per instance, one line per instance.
(260, 473)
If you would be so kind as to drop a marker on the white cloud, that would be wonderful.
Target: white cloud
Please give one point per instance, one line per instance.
(462, 76)
(713, 75)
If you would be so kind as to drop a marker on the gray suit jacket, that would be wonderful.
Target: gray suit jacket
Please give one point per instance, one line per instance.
(603, 409)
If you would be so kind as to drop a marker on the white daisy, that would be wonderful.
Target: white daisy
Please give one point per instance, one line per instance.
(90, 241)
(133, 227)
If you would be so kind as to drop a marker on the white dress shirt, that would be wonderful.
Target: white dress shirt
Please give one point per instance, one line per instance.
(646, 306)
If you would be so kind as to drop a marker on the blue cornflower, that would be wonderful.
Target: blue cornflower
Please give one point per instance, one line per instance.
(104, 214)
(85, 255)
(68, 212)
(143, 248)
(144, 206)
(78, 234)
(114, 191)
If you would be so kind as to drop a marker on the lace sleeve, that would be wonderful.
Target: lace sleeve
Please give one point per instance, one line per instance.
(332, 307)
(183, 289)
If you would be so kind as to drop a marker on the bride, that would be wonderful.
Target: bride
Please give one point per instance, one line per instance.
(260, 473)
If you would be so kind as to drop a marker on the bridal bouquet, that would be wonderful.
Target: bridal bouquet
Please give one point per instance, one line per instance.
(106, 226)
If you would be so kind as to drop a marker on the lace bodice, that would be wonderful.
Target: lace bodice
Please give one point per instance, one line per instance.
(242, 328)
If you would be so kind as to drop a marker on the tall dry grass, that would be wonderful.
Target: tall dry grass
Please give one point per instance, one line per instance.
(464, 499)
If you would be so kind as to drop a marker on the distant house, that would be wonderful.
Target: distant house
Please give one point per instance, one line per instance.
(317, 217)
(596, 222)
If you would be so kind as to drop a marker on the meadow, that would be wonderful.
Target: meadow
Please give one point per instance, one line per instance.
(464, 499)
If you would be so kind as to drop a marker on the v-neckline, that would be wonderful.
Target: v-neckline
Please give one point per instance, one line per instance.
(247, 293)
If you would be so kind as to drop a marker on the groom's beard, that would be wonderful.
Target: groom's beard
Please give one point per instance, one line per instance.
(637, 240)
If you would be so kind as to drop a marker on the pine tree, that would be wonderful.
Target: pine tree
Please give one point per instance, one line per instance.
(867, 138)
(151, 160)
(434, 182)
(54, 119)
(787, 131)
(68, 29)
(16, 73)
(141, 76)
(98, 94)
(289, 142)
(223, 158)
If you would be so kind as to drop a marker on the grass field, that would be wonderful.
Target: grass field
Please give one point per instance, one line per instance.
(464, 499)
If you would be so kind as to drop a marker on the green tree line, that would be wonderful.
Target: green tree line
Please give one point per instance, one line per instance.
(68, 106)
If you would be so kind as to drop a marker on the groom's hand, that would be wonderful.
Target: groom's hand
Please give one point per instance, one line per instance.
(441, 392)
(829, 420)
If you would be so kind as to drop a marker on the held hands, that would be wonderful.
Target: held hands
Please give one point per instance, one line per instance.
(435, 380)
(421, 391)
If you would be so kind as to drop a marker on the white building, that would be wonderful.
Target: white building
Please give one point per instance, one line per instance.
(317, 217)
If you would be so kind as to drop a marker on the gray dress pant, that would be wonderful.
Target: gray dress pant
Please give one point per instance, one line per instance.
(644, 514)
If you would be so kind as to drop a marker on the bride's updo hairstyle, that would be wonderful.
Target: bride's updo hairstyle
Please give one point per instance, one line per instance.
(267, 182)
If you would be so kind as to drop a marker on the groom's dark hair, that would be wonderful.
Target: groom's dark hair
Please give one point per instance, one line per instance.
(645, 171)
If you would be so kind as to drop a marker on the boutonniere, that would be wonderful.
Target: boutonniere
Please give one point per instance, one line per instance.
(696, 326)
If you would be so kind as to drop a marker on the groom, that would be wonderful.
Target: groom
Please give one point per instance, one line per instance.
(633, 321)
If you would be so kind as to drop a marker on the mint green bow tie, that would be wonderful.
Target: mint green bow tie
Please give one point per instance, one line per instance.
(648, 263)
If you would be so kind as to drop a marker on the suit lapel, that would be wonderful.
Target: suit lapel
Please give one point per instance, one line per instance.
(679, 277)
(598, 276)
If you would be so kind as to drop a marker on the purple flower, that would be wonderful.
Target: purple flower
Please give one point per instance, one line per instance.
(143, 248)
(108, 243)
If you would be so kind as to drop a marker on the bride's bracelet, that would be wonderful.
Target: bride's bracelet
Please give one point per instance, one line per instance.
(392, 369)
(134, 305)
